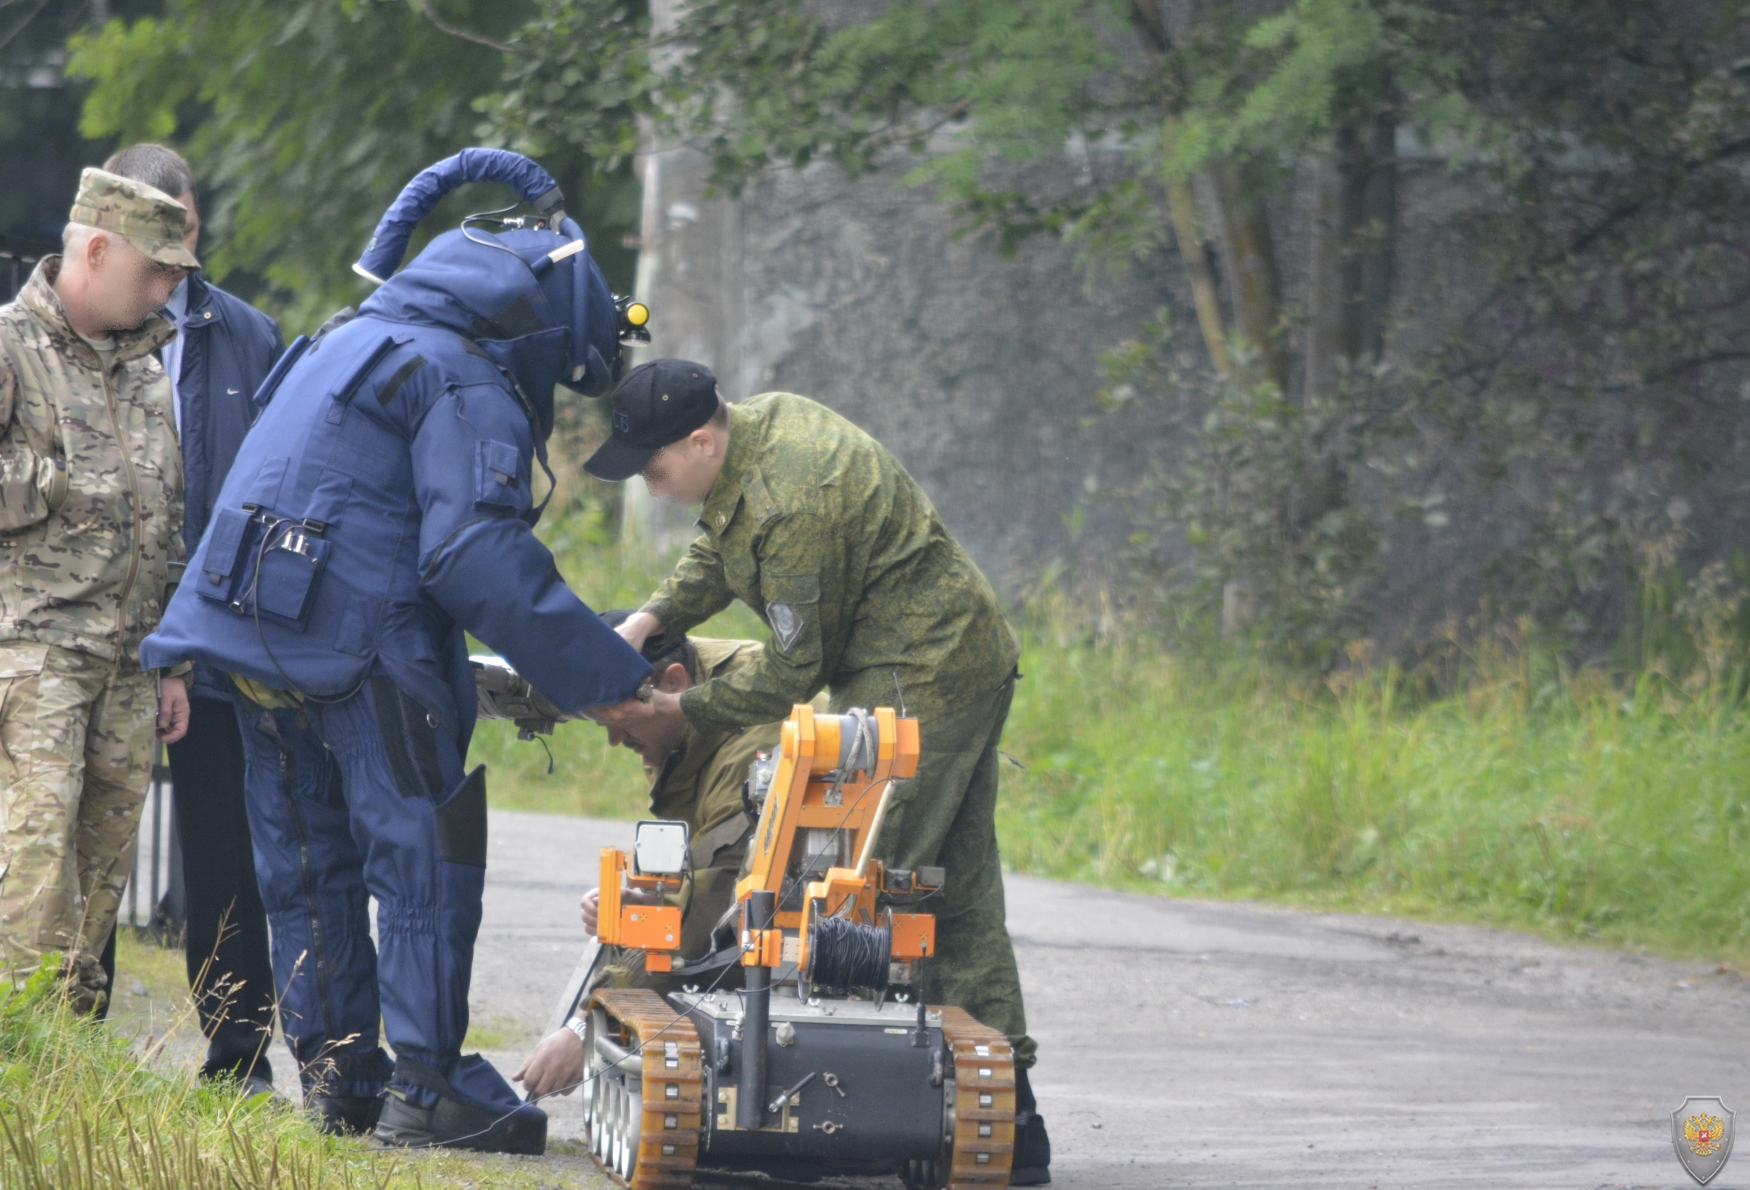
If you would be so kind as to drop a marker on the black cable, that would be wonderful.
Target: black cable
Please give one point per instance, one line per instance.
(250, 593)
(844, 955)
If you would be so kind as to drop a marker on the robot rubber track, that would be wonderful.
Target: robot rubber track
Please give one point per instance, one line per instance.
(644, 1098)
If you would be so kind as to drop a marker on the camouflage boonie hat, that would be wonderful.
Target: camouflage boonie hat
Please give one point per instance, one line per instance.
(144, 216)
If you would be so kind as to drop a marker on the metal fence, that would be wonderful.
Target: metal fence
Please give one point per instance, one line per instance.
(17, 259)
(154, 901)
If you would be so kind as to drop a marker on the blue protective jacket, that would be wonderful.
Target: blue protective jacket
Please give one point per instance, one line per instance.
(228, 348)
(381, 505)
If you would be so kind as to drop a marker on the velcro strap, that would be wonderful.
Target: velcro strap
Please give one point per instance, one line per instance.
(730, 830)
(411, 1072)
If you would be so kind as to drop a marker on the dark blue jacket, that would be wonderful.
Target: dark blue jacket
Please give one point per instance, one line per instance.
(382, 502)
(228, 348)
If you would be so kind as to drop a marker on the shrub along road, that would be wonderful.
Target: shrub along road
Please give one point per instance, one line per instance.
(1195, 1043)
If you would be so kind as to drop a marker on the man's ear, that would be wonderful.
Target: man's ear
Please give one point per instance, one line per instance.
(96, 248)
(674, 679)
(702, 440)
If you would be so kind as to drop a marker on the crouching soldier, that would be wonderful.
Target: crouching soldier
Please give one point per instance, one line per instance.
(698, 775)
(380, 509)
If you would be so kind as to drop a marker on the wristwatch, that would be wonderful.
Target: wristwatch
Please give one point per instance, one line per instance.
(579, 1027)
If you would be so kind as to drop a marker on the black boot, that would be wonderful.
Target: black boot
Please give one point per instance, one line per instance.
(344, 1115)
(463, 1105)
(1032, 1163)
(344, 1092)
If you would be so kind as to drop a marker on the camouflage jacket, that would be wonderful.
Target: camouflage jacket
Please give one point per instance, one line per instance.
(90, 479)
(817, 528)
(701, 781)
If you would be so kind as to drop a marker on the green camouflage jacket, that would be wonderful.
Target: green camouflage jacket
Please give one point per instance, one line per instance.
(701, 781)
(815, 526)
(90, 479)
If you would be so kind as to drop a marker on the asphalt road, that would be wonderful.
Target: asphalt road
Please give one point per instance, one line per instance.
(1203, 1044)
(1215, 1044)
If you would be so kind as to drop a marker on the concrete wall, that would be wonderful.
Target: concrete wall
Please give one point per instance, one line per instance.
(979, 373)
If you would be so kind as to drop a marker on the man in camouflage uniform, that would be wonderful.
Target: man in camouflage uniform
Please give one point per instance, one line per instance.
(697, 776)
(816, 527)
(90, 516)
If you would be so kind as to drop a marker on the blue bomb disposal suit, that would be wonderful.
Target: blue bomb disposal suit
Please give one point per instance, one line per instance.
(380, 507)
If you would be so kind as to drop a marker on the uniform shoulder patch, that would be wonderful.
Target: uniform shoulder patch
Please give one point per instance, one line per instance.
(786, 622)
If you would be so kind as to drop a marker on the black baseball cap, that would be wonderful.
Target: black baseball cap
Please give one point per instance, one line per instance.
(657, 403)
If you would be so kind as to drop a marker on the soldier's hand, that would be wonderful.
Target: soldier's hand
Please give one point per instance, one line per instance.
(638, 627)
(172, 709)
(556, 1066)
(591, 906)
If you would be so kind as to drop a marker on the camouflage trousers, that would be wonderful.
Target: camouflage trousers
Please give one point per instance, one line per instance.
(76, 743)
(946, 816)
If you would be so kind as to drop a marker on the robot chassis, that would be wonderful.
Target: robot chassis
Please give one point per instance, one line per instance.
(827, 1061)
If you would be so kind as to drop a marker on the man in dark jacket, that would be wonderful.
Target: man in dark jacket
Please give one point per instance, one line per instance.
(223, 350)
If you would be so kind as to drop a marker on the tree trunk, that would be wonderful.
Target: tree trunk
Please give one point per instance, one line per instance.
(1199, 260)
(1380, 231)
(1250, 256)
(1350, 251)
(1333, 330)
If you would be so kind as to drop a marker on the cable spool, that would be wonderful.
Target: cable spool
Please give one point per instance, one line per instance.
(844, 955)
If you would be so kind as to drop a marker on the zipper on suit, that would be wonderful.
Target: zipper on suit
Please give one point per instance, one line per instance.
(115, 424)
(319, 953)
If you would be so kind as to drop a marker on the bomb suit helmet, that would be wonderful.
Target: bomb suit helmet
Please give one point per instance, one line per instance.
(567, 329)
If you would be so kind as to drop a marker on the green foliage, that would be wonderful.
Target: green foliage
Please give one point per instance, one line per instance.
(1532, 796)
(1282, 556)
(1565, 362)
(578, 78)
(304, 120)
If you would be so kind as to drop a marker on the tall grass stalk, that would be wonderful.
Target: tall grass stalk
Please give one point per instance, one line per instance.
(1583, 805)
(80, 1111)
(1569, 802)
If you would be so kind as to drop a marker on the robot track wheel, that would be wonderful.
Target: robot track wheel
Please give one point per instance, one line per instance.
(983, 1108)
(643, 1115)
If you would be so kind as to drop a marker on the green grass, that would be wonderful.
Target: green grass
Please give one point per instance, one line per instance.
(117, 1106)
(79, 1108)
(1574, 804)
(1571, 804)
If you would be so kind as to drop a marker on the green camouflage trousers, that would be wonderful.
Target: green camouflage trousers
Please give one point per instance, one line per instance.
(946, 816)
(76, 742)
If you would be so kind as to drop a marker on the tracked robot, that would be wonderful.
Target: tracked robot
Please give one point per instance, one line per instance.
(827, 1060)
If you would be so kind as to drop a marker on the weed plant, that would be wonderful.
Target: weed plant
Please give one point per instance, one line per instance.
(1531, 795)
(80, 1110)
(1582, 803)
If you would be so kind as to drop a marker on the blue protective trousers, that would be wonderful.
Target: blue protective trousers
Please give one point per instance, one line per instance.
(359, 799)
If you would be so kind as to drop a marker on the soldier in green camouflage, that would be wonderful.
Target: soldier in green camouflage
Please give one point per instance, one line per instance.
(697, 776)
(90, 519)
(816, 527)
